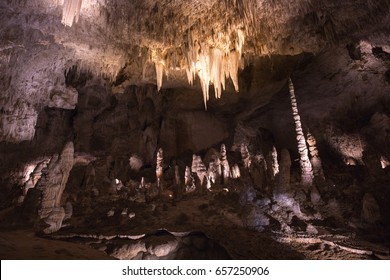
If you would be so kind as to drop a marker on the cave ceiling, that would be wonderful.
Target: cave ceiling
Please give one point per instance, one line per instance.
(132, 42)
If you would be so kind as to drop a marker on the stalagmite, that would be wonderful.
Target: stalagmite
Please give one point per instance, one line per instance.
(52, 185)
(275, 164)
(235, 172)
(305, 164)
(142, 184)
(224, 164)
(269, 167)
(212, 172)
(315, 158)
(71, 12)
(159, 169)
(245, 156)
(199, 168)
(189, 180)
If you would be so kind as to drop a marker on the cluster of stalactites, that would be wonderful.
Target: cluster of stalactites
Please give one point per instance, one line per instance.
(212, 64)
(71, 12)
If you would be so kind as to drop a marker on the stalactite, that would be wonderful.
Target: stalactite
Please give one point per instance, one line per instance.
(159, 74)
(315, 158)
(305, 164)
(71, 12)
(214, 64)
(233, 65)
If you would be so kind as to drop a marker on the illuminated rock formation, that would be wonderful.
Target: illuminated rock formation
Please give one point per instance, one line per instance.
(275, 164)
(52, 185)
(34, 177)
(135, 162)
(235, 172)
(225, 168)
(65, 98)
(315, 158)
(199, 168)
(189, 181)
(71, 12)
(159, 169)
(245, 156)
(304, 161)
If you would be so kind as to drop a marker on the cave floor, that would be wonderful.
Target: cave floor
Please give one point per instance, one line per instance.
(197, 226)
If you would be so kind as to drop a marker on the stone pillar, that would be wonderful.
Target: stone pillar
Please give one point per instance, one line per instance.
(305, 164)
(52, 185)
(159, 169)
(224, 165)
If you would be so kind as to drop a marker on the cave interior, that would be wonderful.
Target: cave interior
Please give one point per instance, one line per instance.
(235, 129)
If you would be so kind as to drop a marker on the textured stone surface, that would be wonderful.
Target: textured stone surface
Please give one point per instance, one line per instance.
(52, 185)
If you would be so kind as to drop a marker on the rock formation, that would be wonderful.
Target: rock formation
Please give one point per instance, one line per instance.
(199, 168)
(306, 167)
(225, 168)
(275, 164)
(52, 185)
(235, 172)
(189, 181)
(159, 169)
(245, 156)
(135, 162)
(315, 158)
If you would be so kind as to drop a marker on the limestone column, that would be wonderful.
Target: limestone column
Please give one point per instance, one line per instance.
(305, 164)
